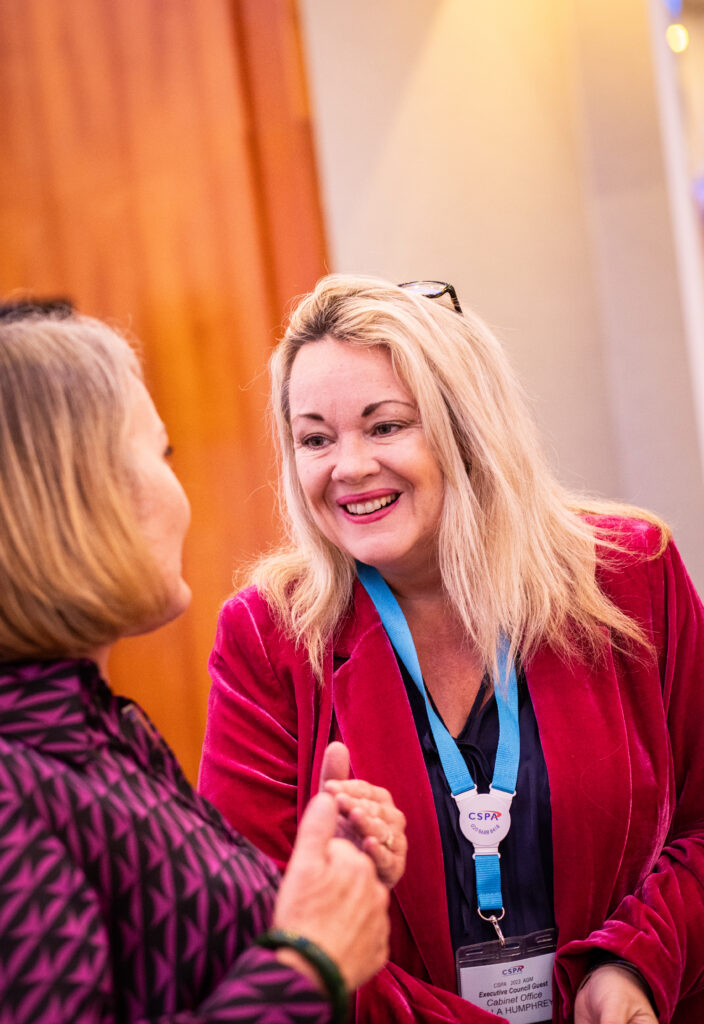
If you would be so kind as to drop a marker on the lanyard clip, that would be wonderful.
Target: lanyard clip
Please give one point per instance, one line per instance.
(494, 920)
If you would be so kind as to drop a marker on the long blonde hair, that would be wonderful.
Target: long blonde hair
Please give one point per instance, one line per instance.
(516, 554)
(75, 573)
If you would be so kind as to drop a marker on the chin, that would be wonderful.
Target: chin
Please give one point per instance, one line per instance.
(177, 605)
(381, 558)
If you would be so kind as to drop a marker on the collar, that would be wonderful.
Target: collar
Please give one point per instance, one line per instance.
(62, 708)
(361, 618)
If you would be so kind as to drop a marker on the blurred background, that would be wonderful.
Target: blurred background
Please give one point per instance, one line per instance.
(183, 170)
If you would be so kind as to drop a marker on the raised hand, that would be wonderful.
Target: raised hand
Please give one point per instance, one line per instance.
(368, 815)
(330, 894)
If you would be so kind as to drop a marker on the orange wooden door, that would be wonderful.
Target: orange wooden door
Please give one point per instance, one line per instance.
(156, 167)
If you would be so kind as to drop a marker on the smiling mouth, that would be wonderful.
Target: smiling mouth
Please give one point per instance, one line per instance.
(365, 508)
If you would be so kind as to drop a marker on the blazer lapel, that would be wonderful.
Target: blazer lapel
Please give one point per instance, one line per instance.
(585, 743)
(375, 722)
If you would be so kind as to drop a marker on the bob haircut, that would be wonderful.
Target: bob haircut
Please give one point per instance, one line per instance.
(516, 554)
(75, 573)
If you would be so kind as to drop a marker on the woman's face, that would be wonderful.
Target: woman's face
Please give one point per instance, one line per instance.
(163, 511)
(373, 486)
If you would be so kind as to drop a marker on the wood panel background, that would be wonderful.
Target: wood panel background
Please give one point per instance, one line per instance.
(157, 167)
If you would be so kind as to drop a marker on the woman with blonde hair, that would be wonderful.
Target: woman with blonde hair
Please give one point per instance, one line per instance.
(124, 896)
(518, 667)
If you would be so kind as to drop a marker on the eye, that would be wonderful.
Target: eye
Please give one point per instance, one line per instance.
(386, 429)
(313, 441)
(168, 451)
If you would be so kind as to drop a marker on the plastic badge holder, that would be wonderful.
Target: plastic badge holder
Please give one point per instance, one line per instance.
(513, 981)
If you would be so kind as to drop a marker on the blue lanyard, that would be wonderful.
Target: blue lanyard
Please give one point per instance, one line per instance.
(484, 817)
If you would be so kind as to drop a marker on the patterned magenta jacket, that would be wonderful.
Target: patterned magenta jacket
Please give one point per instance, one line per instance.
(624, 747)
(124, 896)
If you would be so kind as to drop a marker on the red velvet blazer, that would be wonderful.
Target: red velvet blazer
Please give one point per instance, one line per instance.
(624, 748)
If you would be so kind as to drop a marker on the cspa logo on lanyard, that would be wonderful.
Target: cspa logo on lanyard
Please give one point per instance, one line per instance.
(484, 818)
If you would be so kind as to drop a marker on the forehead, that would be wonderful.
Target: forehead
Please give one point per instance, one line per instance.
(330, 367)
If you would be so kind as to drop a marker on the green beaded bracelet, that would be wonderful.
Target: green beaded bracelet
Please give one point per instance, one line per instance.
(329, 972)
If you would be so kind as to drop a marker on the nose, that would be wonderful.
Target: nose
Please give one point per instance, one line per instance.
(355, 459)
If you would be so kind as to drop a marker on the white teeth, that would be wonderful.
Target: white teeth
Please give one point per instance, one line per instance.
(363, 508)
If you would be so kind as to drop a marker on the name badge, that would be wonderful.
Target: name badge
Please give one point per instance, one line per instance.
(513, 981)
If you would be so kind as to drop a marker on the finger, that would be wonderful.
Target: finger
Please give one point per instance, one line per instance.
(363, 821)
(381, 854)
(317, 827)
(347, 804)
(369, 821)
(348, 858)
(395, 851)
(355, 827)
(345, 829)
(336, 764)
(371, 815)
(389, 864)
(359, 789)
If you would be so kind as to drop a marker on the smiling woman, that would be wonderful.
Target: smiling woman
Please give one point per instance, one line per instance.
(373, 486)
(485, 644)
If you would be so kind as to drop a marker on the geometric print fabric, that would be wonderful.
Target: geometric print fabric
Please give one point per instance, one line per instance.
(124, 896)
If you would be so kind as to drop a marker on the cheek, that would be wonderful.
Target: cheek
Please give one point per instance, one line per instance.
(180, 499)
(434, 488)
(183, 512)
(169, 525)
(163, 509)
(312, 480)
(313, 485)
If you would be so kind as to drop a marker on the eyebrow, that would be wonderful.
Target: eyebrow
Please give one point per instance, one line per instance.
(369, 409)
(366, 411)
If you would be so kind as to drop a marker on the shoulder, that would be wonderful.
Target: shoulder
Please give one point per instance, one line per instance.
(249, 631)
(250, 618)
(21, 768)
(639, 538)
(630, 552)
(249, 607)
(25, 798)
(634, 559)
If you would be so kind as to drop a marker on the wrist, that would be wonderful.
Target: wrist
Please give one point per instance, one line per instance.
(291, 958)
(602, 958)
(292, 948)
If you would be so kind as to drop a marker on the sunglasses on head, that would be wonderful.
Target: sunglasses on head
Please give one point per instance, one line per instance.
(433, 290)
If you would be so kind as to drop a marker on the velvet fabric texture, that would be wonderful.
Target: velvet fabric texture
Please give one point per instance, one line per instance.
(622, 741)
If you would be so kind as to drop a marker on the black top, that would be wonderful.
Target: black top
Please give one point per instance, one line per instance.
(526, 852)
